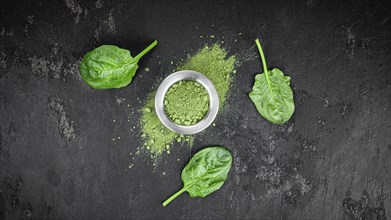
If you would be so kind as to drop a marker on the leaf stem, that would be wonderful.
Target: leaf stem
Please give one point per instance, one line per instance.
(263, 61)
(173, 196)
(146, 50)
(262, 55)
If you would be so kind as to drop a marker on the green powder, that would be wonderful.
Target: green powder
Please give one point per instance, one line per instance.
(212, 61)
(214, 64)
(186, 102)
(157, 138)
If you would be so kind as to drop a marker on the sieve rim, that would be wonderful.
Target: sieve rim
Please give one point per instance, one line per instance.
(180, 76)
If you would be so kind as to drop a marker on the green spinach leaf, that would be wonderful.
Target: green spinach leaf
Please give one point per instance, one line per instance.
(109, 66)
(205, 173)
(272, 94)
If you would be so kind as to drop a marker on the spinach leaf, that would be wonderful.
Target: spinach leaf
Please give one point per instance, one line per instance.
(205, 173)
(272, 94)
(109, 66)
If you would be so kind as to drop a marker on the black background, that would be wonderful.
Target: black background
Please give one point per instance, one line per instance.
(332, 160)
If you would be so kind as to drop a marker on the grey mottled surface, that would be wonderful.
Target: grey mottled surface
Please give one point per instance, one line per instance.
(65, 149)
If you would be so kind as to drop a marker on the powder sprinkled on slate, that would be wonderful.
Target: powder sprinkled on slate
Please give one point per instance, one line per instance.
(212, 61)
(186, 102)
(157, 138)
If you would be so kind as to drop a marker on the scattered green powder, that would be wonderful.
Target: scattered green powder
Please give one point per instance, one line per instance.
(157, 138)
(212, 61)
(186, 102)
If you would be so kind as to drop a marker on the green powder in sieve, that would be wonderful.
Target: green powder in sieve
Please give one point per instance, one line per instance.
(186, 102)
(212, 61)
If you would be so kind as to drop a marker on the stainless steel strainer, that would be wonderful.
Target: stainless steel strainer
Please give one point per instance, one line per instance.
(187, 75)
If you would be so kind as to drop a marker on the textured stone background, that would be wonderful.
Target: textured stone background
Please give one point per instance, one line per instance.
(65, 149)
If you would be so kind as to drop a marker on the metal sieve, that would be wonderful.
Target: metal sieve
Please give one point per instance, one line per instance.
(187, 75)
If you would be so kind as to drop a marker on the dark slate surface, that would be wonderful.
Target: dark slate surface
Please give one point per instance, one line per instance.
(332, 160)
